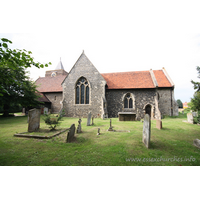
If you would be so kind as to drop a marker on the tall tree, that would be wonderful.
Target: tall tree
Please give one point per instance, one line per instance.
(195, 101)
(180, 104)
(15, 85)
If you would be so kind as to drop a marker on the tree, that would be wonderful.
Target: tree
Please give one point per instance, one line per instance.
(180, 104)
(197, 84)
(15, 85)
(195, 101)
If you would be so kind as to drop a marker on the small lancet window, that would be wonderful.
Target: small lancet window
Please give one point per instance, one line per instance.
(128, 101)
(82, 91)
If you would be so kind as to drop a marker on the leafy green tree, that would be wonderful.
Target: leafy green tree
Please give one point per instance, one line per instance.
(180, 104)
(15, 85)
(195, 101)
(197, 84)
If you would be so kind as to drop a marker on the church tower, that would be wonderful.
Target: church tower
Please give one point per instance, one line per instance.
(59, 70)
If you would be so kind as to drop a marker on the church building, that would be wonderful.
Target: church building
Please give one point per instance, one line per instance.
(127, 95)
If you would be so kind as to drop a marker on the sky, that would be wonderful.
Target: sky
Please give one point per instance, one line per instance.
(116, 36)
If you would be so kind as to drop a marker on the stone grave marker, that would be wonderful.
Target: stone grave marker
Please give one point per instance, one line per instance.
(146, 130)
(158, 124)
(33, 120)
(190, 118)
(89, 119)
(93, 120)
(79, 126)
(110, 129)
(98, 131)
(196, 143)
(71, 132)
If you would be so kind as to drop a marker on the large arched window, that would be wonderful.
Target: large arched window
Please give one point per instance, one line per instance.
(82, 91)
(128, 101)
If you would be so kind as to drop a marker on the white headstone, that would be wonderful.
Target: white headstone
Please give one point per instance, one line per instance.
(89, 119)
(190, 118)
(146, 130)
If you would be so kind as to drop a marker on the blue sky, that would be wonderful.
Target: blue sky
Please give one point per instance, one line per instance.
(115, 35)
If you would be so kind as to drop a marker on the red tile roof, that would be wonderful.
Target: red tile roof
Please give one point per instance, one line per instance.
(43, 98)
(161, 79)
(50, 84)
(135, 80)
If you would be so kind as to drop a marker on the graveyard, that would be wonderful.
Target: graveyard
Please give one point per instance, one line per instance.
(107, 142)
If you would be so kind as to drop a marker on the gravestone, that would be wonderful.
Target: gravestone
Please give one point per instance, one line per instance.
(190, 118)
(110, 129)
(71, 132)
(89, 119)
(196, 143)
(92, 120)
(183, 112)
(98, 131)
(33, 120)
(79, 126)
(146, 130)
(158, 124)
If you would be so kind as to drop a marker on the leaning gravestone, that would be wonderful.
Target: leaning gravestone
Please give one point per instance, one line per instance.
(196, 143)
(71, 132)
(98, 131)
(89, 119)
(158, 124)
(190, 118)
(146, 130)
(79, 126)
(34, 120)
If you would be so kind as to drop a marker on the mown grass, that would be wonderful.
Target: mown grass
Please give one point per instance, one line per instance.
(174, 141)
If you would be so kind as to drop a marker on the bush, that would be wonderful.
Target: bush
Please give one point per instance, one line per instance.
(53, 122)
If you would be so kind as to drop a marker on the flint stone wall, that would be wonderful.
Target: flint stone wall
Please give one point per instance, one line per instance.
(116, 102)
(56, 101)
(83, 68)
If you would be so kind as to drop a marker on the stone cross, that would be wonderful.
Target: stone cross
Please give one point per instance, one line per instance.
(98, 131)
(110, 129)
(89, 119)
(79, 126)
(146, 130)
(71, 132)
(34, 120)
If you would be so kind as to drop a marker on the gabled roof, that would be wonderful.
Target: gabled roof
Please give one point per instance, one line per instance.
(50, 84)
(136, 80)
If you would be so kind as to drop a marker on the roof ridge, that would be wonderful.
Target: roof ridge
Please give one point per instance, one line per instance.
(125, 72)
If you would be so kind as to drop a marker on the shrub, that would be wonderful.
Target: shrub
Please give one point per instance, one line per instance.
(53, 121)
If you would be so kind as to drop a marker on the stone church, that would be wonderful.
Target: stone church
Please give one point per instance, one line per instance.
(127, 95)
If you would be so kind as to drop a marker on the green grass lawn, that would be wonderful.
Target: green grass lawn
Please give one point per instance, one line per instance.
(168, 146)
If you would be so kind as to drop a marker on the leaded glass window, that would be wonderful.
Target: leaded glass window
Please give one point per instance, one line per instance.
(128, 101)
(82, 91)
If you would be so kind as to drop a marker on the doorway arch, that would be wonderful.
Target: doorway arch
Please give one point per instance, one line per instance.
(148, 109)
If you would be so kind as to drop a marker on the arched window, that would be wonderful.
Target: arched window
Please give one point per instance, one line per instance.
(128, 101)
(82, 91)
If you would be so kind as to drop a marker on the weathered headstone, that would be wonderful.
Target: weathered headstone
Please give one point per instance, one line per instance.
(89, 119)
(183, 112)
(93, 120)
(158, 124)
(79, 126)
(190, 118)
(98, 131)
(146, 130)
(110, 129)
(71, 132)
(34, 120)
(196, 143)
